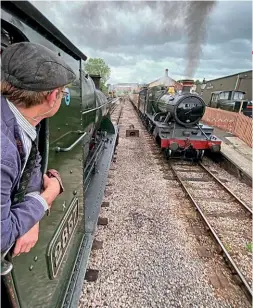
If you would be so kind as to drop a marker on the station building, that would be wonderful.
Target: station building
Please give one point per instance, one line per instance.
(239, 81)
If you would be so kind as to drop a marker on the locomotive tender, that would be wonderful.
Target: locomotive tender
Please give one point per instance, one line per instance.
(79, 142)
(173, 119)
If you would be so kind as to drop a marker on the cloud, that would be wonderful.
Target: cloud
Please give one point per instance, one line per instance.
(139, 40)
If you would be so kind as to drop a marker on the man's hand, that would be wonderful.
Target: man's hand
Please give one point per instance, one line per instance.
(51, 189)
(26, 241)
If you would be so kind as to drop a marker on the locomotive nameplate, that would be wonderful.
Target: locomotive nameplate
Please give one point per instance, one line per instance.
(62, 238)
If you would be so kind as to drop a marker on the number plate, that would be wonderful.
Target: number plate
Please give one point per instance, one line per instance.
(60, 242)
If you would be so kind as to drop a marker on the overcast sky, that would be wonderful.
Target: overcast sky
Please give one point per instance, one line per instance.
(138, 40)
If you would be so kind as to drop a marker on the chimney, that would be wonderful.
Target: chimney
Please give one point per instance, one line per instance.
(187, 84)
(96, 80)
(166, 72)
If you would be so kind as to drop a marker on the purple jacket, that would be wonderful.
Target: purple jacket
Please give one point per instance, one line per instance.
(16, 219)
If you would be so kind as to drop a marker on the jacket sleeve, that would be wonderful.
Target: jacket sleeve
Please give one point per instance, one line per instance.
(16, 219)
(35, 183)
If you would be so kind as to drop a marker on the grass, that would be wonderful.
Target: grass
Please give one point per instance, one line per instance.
(249, 246)
(228, 247)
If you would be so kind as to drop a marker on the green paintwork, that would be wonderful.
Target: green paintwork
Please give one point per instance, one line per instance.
(44, 292)
(107, 125)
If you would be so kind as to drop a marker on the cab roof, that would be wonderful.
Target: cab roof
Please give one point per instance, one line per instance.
(28, 14)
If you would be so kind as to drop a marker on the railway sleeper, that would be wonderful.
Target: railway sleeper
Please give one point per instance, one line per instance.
(91, 275)
(97, 245)
(102, 221)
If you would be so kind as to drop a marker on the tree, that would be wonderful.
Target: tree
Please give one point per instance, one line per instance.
(197, 82)
(97, 66)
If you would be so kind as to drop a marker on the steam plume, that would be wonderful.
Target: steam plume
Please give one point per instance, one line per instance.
(195, 23)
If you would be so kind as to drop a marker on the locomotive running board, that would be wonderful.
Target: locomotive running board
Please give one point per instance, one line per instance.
(93, 200)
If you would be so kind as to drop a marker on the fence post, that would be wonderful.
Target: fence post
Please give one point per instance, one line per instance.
(237, 117)
(240, 110)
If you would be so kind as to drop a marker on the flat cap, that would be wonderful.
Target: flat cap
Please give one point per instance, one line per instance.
(34, 67)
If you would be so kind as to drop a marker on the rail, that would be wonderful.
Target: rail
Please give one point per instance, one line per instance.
(120, 112)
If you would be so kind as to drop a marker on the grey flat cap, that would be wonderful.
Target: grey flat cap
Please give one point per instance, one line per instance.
(34, 67)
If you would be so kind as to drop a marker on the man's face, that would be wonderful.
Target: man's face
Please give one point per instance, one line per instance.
(53, 101)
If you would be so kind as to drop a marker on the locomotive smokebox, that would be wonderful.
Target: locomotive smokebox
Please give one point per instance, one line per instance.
(96, 80)
(187, 84)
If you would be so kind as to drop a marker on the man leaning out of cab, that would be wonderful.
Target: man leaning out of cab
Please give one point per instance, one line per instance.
(32, 87)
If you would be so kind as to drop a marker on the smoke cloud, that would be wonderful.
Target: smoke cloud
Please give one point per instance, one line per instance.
(137, 26)
(174, 20)
(195, 23)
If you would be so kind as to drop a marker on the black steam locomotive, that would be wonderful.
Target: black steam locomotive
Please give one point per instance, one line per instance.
(174, 120)
(79, 142)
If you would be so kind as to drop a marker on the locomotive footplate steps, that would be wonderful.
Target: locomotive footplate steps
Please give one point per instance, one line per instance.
(92, 209)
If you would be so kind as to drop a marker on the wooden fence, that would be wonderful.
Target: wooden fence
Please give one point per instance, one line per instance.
(236, 123)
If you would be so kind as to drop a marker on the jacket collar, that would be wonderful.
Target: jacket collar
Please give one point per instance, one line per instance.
(6, 114)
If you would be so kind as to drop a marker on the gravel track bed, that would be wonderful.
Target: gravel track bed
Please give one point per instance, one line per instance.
(209, 195)
(203, 185)
(222, 208)
(235, 242)
(190, 174)
(242, 190)
(149, 257)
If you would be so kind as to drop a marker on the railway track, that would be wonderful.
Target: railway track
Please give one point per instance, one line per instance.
(227, 217)
(116, 112)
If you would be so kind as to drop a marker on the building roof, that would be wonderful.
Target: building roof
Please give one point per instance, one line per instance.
(165, 80)
(245, 72)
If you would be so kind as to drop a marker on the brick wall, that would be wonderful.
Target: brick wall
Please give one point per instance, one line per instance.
(235, 123)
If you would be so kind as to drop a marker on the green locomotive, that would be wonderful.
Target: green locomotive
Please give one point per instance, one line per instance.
(79, 142)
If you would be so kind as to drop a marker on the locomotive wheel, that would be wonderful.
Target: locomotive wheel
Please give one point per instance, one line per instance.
(201, 154)
(167, 153)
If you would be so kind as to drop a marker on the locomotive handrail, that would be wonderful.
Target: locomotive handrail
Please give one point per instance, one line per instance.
(66, 134)
(59, 149)
(6, 266)
(200, 128)
(90, 110)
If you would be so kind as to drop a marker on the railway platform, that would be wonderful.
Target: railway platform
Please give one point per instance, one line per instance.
(236, 151)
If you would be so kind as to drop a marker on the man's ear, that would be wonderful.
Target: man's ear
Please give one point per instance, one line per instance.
(52, 97)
